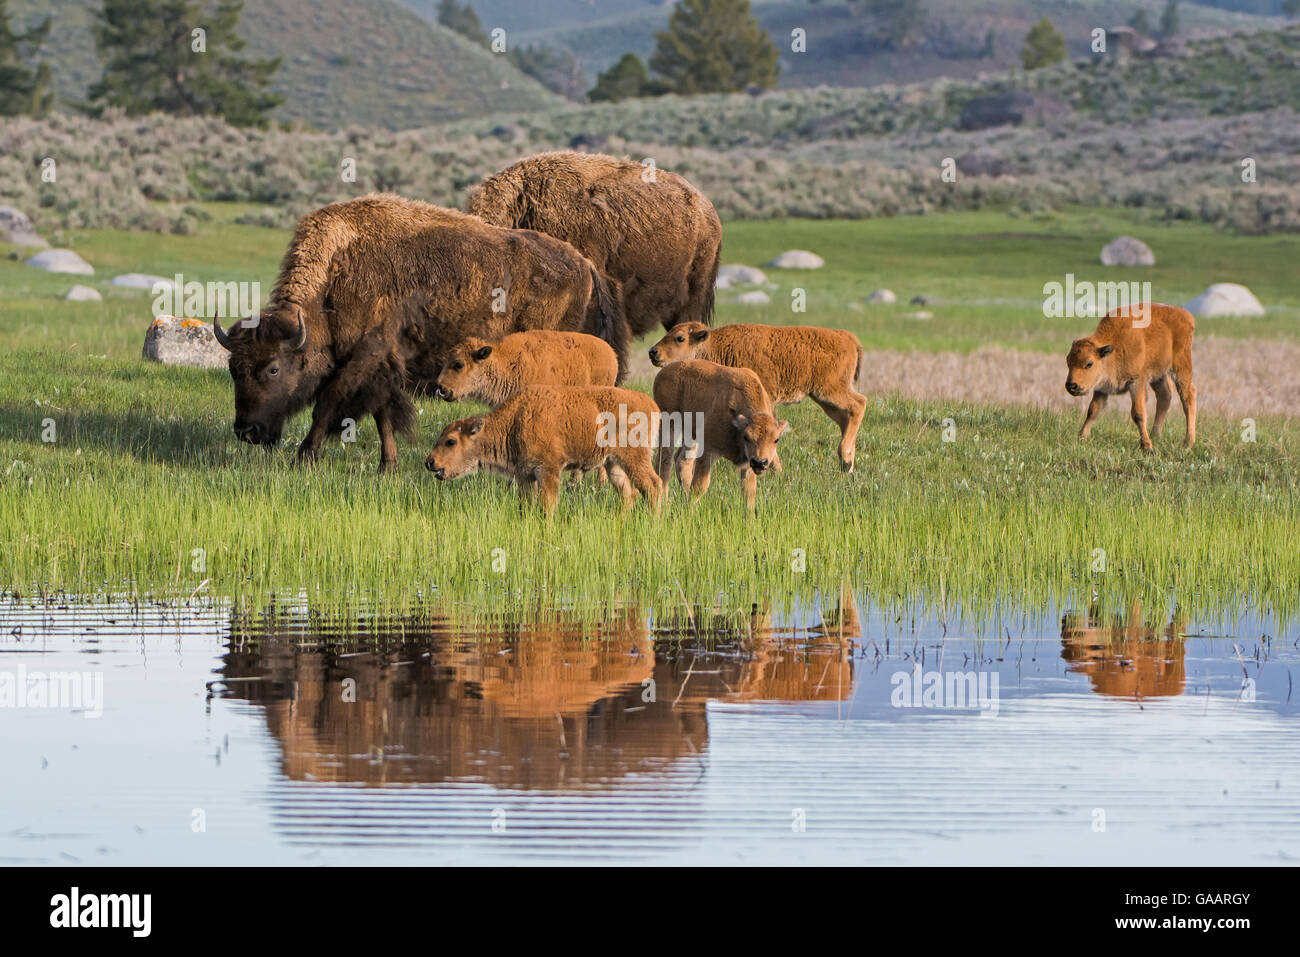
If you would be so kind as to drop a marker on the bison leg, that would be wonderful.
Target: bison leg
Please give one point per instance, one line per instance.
(750, 481)
(1187, 395)
(847, 413)
(645, 478)
(701, 474)
(1163, 399)
(527, 485)
(620, 481)
(548, 487)
(1138, 391)
(387, 440)
(1094, 409)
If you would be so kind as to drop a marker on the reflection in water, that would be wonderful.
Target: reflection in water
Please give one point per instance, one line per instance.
(553, 704)
(1125, 657)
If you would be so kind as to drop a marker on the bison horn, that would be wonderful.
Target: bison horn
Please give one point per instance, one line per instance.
(300, 342)
(223, 339)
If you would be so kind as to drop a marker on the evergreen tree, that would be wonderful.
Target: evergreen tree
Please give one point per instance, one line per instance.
(24, 89)
(626, 79)
(1044, 45)
(714, 46)
(463, 20)
(154, 59)
(1169, 24)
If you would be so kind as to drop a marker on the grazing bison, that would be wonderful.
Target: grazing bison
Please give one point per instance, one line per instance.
(372, 296)
(646, 228)
(792, 362)
(494, 373)
(738, 425)
(1132, 348)
(544, 431)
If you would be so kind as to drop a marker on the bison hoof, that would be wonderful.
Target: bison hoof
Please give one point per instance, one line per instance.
(307, 455)
(387, 468)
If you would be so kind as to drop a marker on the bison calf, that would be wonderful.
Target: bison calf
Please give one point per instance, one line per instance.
(494, 373)
(735, 413)
(544, 431)
(1132, 348)
(792, 362)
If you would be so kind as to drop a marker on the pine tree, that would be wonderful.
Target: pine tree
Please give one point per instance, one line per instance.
(714, 46)
(464, 21)
(1044, 45)
(1169, 24)
(23, 89)
(626, 79)
(155, 59)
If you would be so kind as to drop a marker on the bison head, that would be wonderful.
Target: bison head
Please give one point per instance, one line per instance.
(757, 436)
(455, 454)
(273, 373)
(1088, 366)
(462, 373)
(680, 342)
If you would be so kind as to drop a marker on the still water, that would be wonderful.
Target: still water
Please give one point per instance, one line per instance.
(837, 733)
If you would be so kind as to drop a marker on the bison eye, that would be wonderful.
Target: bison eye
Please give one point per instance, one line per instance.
(274, 370)
(681, 338)
(1088, 366)
(457, 365)
(451, 442)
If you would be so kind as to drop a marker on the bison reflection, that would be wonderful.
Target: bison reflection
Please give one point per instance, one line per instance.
(1124, 657)
(550, 705)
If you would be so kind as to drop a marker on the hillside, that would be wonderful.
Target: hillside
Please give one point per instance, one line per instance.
(345, 62)
(950, 44)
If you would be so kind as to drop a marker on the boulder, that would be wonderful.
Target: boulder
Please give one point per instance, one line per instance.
(882, 297)
(796, 259)
(83, 294)
(139, 280)
(729, 276)
(183, 342)
(755, 298)
(1225, 299)
(1127, 251)
(1009, 109)
(920, 301)
(15, 238)
(61, 260)
(14, 221)
(922, 314)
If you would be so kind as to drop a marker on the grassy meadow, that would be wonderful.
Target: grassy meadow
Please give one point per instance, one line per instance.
(145, 489)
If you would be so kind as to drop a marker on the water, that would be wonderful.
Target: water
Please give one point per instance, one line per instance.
(815, 737)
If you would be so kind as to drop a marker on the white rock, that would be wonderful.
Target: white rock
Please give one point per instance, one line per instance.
(183, 342)
(18, 238)
(1127, 251)
(61, 260)
(921, 314)
(797, 259)
(1225, 299)
(729, 276)
(139, 280)
(882, 296)
(755, 298)
(83, 294)
(14, 220)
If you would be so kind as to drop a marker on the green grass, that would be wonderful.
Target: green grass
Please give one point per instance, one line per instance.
(144, 469)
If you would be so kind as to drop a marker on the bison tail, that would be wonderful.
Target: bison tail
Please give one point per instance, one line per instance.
(607, 319)
(707, 294)
(401, 413)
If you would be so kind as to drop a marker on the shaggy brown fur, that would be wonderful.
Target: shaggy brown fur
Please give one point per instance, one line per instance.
(496, 372)
(648, 229)
(738, 423)
(792, 362)
(1135, 347)
(545, 430)
(385, 288)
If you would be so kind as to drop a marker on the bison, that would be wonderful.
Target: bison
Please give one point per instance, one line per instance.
(1132, 348)
(545, 431)
(792, 362)
(738, 423)
(374, 293)
(645, 228)
(494, 373)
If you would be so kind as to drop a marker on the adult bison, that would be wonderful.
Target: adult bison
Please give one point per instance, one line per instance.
(373, 295)
(647, 228)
